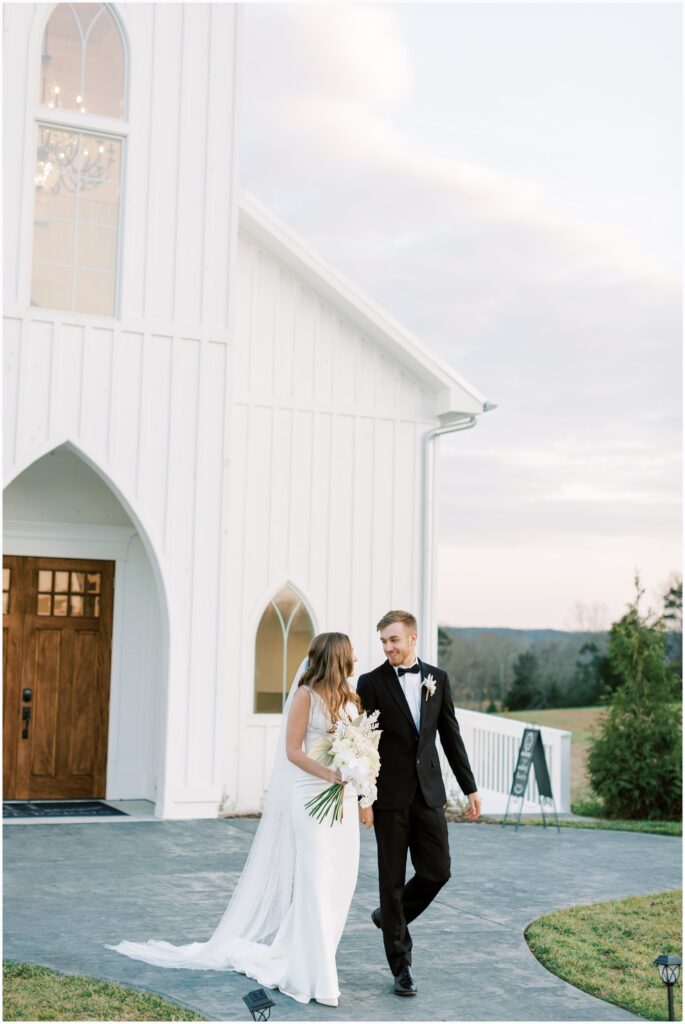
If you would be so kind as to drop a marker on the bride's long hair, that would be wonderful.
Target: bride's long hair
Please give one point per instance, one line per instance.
(331, 663)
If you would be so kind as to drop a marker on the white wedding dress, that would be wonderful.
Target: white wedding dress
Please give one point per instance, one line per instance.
(287, 915)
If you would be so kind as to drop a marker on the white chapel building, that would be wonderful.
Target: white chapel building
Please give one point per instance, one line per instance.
(214, 445)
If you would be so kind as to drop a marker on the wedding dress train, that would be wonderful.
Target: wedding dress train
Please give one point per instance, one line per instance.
(287, 916)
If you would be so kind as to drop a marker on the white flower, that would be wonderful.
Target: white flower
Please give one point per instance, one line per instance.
(353, 750)
(430, 685)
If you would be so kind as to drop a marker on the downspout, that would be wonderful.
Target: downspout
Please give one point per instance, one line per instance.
(428, 627)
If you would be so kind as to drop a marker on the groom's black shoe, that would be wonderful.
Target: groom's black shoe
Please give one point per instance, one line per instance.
(404, 983)
(376, 917)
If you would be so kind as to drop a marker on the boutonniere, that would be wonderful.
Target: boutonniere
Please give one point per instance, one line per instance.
(430, 685)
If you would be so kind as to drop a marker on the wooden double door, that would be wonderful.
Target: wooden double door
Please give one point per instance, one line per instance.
(57, 625)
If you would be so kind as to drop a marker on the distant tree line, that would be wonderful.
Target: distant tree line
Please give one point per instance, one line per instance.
(495, 669)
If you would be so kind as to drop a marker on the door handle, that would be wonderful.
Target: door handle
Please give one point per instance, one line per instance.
(26, 718)
(26, 695)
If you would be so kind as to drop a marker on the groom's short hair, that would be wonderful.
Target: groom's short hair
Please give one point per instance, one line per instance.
(406, 618)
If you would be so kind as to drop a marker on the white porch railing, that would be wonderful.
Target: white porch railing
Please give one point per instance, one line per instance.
(492, 745)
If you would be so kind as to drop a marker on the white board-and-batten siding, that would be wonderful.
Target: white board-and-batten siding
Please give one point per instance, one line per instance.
(178, 170)
(143, 397)
(324, 484)
(149, 414)
(257, 418)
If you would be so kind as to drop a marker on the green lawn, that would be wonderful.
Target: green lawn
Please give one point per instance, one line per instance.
(36, 993)
(581, 722)
(608, 949)
(657, 828)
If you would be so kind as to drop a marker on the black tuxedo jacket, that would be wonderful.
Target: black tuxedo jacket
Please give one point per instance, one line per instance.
(410, 758)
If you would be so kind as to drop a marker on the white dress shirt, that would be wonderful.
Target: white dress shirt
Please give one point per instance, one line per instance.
(411, 685)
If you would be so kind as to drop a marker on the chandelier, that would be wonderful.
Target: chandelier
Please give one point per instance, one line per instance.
(68, 159)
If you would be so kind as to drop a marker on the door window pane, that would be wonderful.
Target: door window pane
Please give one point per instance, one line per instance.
(61, 582)
(77, 582)
(93, 585)
(62, 592)
(44, 579)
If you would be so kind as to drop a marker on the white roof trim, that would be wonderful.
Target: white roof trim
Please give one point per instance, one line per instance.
(454, 395)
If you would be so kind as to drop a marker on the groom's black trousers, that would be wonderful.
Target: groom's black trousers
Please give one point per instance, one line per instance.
(421, 830)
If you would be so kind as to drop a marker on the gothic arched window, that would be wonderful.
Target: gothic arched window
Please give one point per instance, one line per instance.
(283, 637)
(81, 133)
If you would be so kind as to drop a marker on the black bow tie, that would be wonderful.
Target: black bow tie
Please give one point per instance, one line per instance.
(414, 668)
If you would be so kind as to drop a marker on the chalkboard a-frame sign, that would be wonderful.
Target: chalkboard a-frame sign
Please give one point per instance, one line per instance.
(531, 752)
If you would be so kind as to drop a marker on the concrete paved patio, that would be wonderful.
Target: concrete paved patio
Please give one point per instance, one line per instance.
(71, 888)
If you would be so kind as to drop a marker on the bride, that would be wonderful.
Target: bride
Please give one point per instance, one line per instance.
(287, 913)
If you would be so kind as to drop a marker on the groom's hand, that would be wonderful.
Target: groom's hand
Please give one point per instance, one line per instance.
(366, 816)
(473, 810)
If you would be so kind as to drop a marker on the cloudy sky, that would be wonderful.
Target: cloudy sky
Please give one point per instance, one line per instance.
(505, 180)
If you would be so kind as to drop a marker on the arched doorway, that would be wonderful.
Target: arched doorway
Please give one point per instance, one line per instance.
(85, 638)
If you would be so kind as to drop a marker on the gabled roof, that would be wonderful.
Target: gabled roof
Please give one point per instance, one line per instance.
(455, 397)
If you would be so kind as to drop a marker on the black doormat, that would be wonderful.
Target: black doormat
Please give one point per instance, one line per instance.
(58, 809)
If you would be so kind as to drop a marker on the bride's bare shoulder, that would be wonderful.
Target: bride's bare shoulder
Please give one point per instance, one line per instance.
(300, 705)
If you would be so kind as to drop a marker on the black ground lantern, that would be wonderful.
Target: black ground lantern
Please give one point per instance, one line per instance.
(259, 1004)
(669, 969)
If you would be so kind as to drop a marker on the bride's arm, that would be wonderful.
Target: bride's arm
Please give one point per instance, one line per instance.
(296, 730)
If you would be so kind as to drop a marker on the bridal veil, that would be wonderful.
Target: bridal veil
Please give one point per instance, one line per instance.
(264, 890)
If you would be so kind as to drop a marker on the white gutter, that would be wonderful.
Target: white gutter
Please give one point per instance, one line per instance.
(428, 627)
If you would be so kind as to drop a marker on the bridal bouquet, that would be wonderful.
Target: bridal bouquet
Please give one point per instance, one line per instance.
(353, 750)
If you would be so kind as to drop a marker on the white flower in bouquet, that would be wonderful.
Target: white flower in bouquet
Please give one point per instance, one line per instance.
(353, 750)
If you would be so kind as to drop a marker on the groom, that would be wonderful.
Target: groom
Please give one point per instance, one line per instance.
(415, 703)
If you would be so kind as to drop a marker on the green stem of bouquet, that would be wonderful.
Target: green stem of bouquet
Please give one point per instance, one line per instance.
(330, 800)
